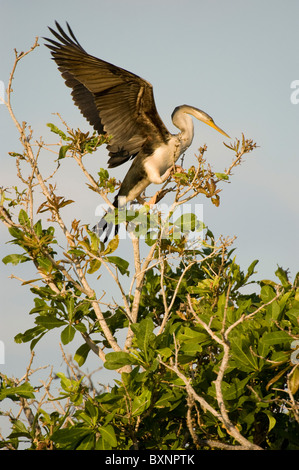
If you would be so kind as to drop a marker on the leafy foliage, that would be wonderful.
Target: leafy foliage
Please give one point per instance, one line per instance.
(254, 386)
(205, 353)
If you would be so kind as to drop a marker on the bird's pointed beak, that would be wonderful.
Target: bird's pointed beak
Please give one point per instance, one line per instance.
(212, 124)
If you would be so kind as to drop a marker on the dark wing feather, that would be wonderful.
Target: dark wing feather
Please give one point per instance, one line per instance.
(113, 100)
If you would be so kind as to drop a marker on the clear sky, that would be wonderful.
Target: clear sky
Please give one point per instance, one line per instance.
(234, 59)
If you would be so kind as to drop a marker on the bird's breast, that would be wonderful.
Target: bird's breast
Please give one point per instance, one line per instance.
(162, 158)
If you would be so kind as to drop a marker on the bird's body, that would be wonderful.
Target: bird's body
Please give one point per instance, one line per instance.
(152, 168)
(121, 104)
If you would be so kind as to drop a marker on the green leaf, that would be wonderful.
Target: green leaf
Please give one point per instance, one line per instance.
(58, 131)
(115, 360)
(45, 264)
(165, 353)
(267, 293)
(191, 340)
(24, 391)
(81, 354)
(16, 154)
(16, 232)
(181, 176)
(121, 264)
(80, 327)
(49, 322)
(19, 430)
(108, 434)
(70, 436)
(186, 222)
(101, 444)
(15, 259)
(70, 303)
(94, 266)
(36, 340)
(172, 398)
(190, 348)
(77, 252)
(66, 383)
(236, 389)
(282, 276)
(144, 334)
(92, 410)
(276, 337)
(273, 310)
(29, 334)
(103, 174)
(38, 228)
(272, 420)
(23, 218)
(242, 354)
(191, 334)
(293, 315)
(87, 443)
(112, 245)
(222, 176)
(63, 151)
(250, 270)
(141, 403)
(294, 381)
(94, 241)
(67, 335)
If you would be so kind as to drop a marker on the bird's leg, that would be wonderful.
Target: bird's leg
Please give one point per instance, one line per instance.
(166, 175)
(173, 169)
(161, 193)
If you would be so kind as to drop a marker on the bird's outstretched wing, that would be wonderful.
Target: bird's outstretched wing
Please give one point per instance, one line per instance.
(113, 100)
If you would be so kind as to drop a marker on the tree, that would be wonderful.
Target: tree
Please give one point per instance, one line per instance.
(218, 367)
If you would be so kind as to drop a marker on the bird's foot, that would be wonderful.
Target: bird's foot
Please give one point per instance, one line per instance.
(177, 169)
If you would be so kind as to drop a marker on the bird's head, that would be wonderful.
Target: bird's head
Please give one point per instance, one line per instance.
(204, 117)
(198, 114)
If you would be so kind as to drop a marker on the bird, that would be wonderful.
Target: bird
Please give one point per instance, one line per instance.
(120, 104)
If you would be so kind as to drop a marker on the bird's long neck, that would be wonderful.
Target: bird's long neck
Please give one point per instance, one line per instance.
(182, 120)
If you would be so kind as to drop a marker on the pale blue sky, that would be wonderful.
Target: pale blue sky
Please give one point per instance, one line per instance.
(234, 59)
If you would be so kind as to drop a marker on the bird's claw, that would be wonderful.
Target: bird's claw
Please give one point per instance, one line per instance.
(177, 169)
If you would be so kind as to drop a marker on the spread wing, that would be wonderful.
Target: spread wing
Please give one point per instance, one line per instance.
(113, 100)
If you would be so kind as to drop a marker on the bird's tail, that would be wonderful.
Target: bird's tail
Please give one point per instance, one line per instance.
(105, 229)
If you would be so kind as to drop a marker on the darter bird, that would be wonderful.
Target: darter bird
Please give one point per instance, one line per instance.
(121, 104)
